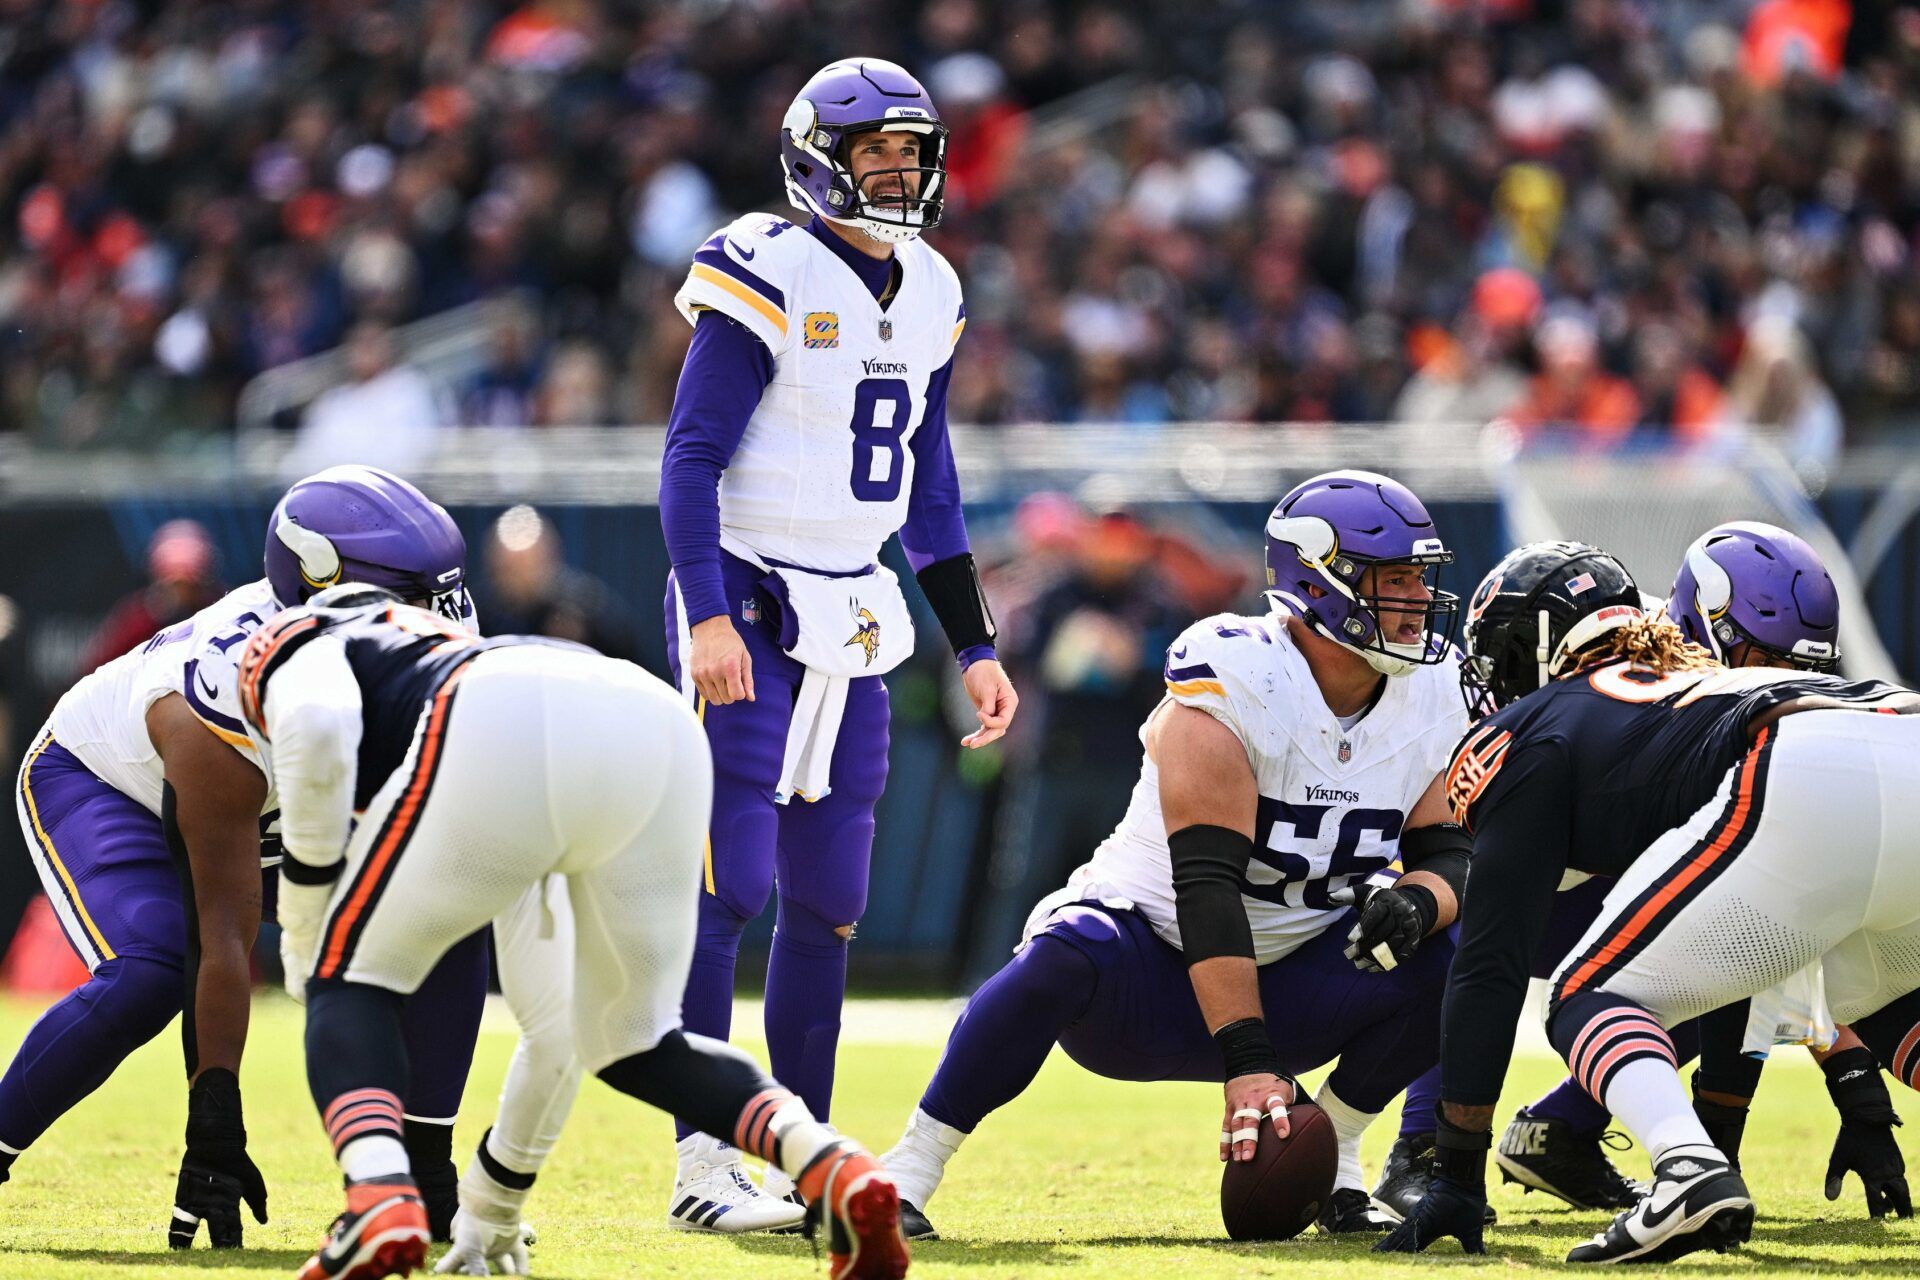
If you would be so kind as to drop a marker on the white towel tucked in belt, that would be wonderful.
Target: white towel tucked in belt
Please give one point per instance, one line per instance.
(847, 628)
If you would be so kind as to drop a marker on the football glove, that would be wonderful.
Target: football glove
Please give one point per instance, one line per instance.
(1448, 1209)
(1865, 1143)
(216, 1174)
(487, 1232)
(1392, 923)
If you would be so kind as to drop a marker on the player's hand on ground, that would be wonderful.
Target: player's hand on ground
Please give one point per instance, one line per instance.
(993, 701)
(482, 1247)
(1389, 930)
(718, 659)
(216, 1173)
(1869, 1150)
(1448, 1209)
(1248, 1099)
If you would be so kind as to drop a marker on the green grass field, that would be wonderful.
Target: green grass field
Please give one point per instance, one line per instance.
(1081, 1177)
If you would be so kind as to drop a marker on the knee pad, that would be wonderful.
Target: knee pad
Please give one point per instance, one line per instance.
(739, 863)
(1598, 1033)
(834, 887)
(798, 926)
(144, 994)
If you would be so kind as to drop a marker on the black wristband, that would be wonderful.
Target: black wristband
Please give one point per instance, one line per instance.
(952, 588)
(1246, 1051)
(213, 1108)
(1460, 1155)
(511, 1179)
(1858, 1090)
(294, 871)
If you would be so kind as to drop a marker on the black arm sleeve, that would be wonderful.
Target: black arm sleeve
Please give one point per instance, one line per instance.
(1520, 841)
(952, 588)
(183, 867)
(1443, 850)
(1208, 865)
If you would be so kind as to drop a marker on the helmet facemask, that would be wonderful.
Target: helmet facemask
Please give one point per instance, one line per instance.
(820, 175)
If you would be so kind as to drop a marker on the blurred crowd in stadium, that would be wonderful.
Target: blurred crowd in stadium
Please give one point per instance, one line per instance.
(1655, 216)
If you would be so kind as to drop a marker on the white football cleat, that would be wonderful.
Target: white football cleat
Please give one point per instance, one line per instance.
(712, 1192)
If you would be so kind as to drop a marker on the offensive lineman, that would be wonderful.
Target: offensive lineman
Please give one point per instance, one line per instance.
(478, 769)
(1619, 749)
(1204, 940)
(809, 425)
(144, 780)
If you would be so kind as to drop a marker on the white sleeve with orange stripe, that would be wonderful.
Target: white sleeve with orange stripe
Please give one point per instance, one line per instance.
(313, 716)
(745, 271)
(1219, 665)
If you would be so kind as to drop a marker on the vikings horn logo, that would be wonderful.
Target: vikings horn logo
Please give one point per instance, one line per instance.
(319, 559)
(867, 633)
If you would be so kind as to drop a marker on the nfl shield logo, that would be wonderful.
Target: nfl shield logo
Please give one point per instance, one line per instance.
(750, 611)
(1346, 751)
(886, 329)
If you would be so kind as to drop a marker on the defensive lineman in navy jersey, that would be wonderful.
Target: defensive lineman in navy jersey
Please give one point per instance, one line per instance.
(1634, 754)
(478, 769)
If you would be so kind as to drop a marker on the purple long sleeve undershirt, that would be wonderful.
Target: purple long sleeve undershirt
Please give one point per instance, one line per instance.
(726, 372)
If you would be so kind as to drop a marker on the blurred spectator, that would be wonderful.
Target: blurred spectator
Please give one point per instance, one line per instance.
(1089, 654)
(1474, 374)
(384, 415)
(501, 394)
(1677, 396)
(532, 591)
(1274, 219)
(1571, 389)
(1776, 393)
(182, 580)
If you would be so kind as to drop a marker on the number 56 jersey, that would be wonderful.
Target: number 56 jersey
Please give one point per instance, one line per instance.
(822, 475)
(1332, 799)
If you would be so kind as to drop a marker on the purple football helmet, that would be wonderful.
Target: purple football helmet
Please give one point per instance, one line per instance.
(1326, 534)
(854, 96)
(1750, 583)
(361, 524)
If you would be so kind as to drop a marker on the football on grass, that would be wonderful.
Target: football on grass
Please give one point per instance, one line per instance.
(1277, 1194)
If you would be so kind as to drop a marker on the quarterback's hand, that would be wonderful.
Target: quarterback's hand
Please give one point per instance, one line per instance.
(1448, 1209)
(993, 700)
(1249, 1098)
(216, 1174)
(718, 660)
(1392, 923)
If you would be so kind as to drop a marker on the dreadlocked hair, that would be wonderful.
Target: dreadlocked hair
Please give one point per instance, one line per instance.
(1651, 643)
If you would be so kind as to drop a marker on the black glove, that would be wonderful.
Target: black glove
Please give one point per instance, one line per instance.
(1456, 1200)
(1392, 923)
(1865, 1142)
(216, 1173)
(1448, 1209)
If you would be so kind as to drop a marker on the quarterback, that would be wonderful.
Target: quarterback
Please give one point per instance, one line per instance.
(808, 427)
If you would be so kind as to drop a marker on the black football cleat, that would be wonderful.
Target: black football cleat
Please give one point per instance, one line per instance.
(1697, 1202)
(1547, 1155)
(914, 1224)
(1350, 1212)
(1404, 1178)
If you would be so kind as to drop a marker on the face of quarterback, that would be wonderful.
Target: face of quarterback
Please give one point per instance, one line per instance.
(871, 155)
(1406, 582)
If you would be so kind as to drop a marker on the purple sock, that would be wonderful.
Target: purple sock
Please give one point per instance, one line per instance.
(1416, 1113)
(79, 1042)
(1569, 1102)
(707, 1007)
(1006, 1031)
(806, 985)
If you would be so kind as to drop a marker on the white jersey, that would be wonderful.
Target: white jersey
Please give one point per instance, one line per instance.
(1332, 800)
(821, 478)
(102, 720)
